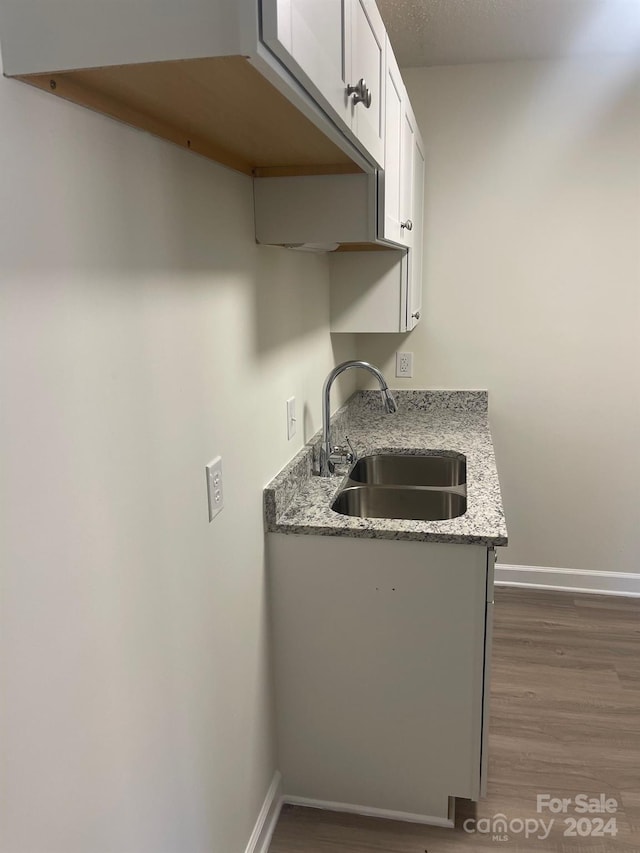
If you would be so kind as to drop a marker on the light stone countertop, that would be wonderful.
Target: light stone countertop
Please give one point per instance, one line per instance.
(298, 501)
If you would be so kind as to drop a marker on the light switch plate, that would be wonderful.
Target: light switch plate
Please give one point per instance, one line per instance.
(291, 417)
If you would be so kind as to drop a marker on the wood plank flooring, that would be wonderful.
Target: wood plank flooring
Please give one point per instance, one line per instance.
(565, 720)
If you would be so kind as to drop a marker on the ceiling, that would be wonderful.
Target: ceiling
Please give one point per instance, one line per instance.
(455, 32)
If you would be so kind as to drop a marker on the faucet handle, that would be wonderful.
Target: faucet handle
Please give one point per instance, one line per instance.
(341, 454)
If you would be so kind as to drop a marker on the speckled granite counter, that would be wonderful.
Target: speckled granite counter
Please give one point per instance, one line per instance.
(298, 501)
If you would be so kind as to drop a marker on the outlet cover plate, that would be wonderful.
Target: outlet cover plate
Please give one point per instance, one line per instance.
(215, 493)
(404, 365)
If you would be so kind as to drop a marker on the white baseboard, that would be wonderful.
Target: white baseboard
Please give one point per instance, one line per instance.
(569, 580)
(267, 819)
(368, 812)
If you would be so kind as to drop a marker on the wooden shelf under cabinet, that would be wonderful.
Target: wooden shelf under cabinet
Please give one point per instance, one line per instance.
(219, 107)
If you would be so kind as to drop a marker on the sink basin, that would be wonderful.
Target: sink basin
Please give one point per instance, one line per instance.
(398, 470)
(398, 502)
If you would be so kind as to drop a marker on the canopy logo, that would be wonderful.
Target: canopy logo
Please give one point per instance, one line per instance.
(500, 828)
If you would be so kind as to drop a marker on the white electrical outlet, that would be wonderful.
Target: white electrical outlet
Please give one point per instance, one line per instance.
(404, 364)
(214, 487)
(291, 417)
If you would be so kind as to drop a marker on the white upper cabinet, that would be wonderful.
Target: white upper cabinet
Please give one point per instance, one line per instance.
(409, 130)
(371, 291)
(259, 85)
(391, 180)
(301, 86)
(382, 291)
(309, 38)
(336, 50)
(399, 187)
(368, 41)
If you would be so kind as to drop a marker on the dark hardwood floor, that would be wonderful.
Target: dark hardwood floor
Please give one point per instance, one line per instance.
(565, 720)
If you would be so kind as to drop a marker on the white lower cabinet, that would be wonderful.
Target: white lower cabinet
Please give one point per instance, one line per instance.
(380, 678)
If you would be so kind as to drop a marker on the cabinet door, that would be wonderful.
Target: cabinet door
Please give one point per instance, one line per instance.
(367, 63)
(406, 174)
(311, 39)
(416, 251)
(486, 685)
(390, 180)
(378, 658)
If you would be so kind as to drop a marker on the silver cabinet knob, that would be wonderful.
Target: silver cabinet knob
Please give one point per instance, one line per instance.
(416, 314)
(408, 225)
(361, 93)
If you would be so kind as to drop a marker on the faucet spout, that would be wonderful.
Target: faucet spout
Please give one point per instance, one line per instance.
(327, 462)
(389, 402)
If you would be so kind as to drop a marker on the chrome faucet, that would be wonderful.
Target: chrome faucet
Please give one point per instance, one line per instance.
(329, 455)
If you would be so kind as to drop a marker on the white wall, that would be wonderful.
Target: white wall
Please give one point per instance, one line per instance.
(532, 290)
(142, 332)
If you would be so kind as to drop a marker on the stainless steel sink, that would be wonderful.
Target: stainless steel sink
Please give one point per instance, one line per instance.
(395, 469)
(419, 504)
